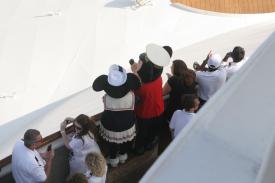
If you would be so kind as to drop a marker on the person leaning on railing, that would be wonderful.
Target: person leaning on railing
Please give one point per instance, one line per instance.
(82, 142)
(28, 165)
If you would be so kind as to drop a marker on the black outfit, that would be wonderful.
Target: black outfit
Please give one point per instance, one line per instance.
(177, 90)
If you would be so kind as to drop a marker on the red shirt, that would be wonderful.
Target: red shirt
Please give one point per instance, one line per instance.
(151, 101)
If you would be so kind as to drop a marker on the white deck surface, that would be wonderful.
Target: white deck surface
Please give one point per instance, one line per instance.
(44, 60)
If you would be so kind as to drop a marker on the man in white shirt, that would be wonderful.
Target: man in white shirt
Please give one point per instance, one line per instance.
(237, 55)
(209, 79)
(181, 118)
(28, 165)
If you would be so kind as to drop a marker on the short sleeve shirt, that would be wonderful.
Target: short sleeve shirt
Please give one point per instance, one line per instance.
(210, 82)
(179, 120)
(233, 68)
(27, 165)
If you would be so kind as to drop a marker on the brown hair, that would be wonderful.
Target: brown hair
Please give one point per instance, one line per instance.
(96, 163)
(181, 71)
(188, 101)
(87, 126)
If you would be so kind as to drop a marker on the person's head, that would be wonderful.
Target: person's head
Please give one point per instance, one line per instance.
(214, 62)
(78, 178)
(178, 67)
(96, 163)
(237, 54)
(82, 125)
(190, 102)
(32, 139)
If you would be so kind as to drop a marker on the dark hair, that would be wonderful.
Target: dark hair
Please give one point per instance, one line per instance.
(187, 77)
(86, 125)
(237, 54)
(30, 137)
(188, 101)
(169, 50)
(78, 178)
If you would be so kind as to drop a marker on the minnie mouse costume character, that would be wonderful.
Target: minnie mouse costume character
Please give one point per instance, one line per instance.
(151, 106)
(117, 125)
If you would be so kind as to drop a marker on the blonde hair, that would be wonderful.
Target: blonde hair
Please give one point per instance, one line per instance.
(96, 163)
(78, 178)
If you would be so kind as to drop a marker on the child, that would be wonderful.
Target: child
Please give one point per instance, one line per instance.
(180, 118)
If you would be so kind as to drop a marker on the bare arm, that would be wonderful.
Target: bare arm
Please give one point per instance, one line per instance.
(166, 89)
(63, 132)
(202, 66)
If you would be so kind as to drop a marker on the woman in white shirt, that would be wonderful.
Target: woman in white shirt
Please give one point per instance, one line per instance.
(82, 142)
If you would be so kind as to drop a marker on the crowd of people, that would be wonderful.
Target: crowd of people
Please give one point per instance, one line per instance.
(133, 114)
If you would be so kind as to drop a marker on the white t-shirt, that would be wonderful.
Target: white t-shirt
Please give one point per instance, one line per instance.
(179, 119)
(27, 165)
(80, 149)
(209, 82)
(233, 67)
(94, 179)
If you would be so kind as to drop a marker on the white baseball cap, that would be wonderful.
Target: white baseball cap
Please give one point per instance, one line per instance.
(214, 61)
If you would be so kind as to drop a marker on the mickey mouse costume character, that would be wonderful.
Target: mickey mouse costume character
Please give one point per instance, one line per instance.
(150, 109)
(117, 125)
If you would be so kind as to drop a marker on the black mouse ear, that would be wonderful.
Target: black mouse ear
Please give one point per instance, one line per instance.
(99, 83)
(133, 81)
(169, 50)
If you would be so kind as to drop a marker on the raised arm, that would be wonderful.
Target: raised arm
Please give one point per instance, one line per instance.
(63, 132)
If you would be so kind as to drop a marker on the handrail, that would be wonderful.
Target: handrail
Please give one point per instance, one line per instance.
(48, 139)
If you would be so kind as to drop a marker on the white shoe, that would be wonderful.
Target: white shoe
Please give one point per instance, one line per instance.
(113, 162)
(122, 158)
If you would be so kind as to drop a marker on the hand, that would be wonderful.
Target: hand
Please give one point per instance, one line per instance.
(51, 154)
(168, 75)
(69, 120)
(48, 155)
(63, 125)
(196, 66)
(226, 56)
